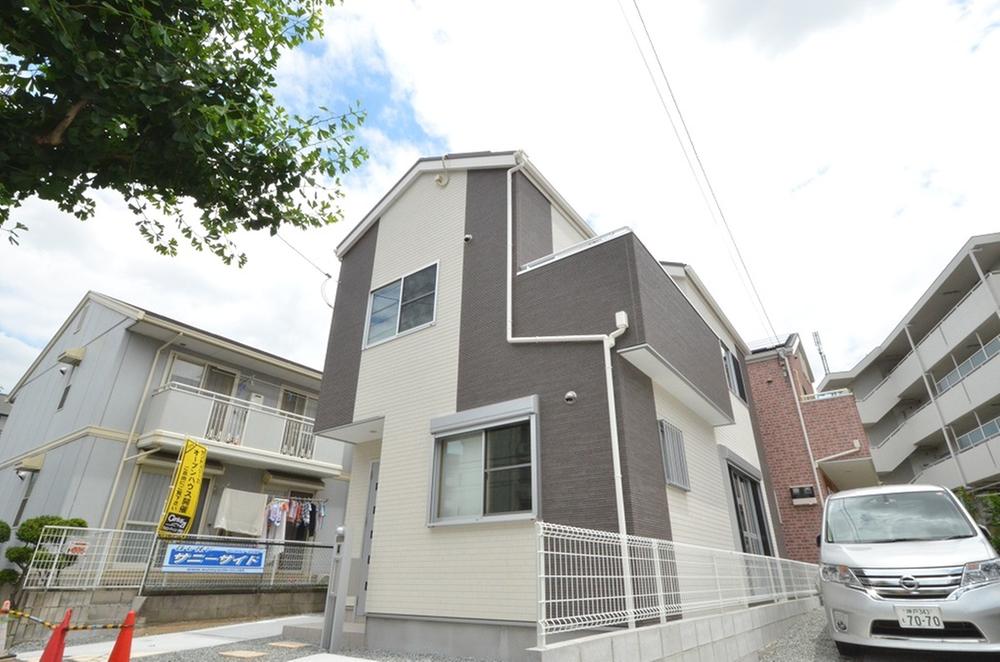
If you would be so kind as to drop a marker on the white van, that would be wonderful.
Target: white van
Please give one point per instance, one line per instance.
(906, 566)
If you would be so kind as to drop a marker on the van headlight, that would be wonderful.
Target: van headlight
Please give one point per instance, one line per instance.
(840, 574)
(981, 572)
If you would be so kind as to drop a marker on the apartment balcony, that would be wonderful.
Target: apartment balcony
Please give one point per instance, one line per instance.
(979, 385)
(979, 453)
(962, 320)
(237, 431)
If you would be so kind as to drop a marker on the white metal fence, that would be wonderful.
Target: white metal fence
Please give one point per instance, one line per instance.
(68, 558)
(584, 582)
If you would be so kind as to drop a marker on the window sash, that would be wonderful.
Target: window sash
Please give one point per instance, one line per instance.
(489, 479)
(675, 469)
(398, 299)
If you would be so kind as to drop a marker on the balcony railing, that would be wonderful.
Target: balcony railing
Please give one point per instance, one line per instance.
(978, 435)
(229, 420)
(968, 366)
(826, 395)
(926, 335)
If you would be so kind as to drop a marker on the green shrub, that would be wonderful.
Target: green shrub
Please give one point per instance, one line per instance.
(4, 532)
(9, 576)
(31, 529)
(20, 556)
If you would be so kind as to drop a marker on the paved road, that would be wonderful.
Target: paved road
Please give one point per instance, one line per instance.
(809, 642)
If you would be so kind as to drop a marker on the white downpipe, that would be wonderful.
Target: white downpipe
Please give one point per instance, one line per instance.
(857, 447)
(131, 432)
(607, 342)
(802, 423)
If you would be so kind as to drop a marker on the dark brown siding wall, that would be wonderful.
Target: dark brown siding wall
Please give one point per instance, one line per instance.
(576, 482)
(573, 296)
(533, 231)
(343, 351)
(675, 329)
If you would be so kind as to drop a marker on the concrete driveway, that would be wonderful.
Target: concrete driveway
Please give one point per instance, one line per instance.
(809, 642)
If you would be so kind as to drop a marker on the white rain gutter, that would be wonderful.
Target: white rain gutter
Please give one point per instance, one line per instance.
(131, 432)
(802, 423)
(608, 342)
(857, 447)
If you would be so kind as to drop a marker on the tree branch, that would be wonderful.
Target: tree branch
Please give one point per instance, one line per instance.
(55, 136)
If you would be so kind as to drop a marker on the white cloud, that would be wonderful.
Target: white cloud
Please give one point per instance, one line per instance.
(852, 149)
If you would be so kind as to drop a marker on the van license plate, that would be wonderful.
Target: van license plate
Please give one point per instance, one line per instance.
(926, 618)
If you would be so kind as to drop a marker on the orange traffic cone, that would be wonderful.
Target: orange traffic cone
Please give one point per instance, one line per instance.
(57, 643)
(123, 645)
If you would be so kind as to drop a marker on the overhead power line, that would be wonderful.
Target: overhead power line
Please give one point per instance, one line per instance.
(696, 166)
(303, 256)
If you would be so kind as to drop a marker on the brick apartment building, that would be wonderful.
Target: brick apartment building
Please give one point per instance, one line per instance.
(814, 443)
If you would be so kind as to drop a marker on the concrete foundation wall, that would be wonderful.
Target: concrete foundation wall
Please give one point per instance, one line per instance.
(111, 606)
(490, 640)
(719, 638)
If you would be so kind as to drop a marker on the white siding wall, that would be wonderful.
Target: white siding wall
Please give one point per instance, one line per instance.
(699, 516)
(470, 571)
(564, 234)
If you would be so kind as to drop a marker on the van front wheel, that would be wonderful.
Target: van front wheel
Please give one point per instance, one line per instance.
(848, 650)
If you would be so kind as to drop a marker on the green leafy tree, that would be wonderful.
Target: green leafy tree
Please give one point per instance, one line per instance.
(30, 532)
(985, 509)
(167, 102)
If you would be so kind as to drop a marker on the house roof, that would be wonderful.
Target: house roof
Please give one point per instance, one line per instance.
(765, 349)
(170, 325)
(692, 275)
(463, 161)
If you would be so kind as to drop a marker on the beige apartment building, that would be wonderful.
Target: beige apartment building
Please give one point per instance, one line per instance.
(929, 395)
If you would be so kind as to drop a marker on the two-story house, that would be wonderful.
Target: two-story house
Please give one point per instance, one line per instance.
(495, 363)
(98, 419)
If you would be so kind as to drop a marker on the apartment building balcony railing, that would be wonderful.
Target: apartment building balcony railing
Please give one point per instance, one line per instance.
(966, 367)
(977, 450)
(826, 395)
(195, 412)
(961, 320)
(979, 387)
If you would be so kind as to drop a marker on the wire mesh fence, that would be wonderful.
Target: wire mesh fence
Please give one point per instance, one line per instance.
(585, 583)
(68, 558)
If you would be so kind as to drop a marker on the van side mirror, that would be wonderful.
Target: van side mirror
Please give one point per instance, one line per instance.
(817, 540)
(986, 532)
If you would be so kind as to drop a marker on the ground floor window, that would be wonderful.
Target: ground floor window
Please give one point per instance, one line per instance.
(146, 508)
(484, 473)
(750, 513)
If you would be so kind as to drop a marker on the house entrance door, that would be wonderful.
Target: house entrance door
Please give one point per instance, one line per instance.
(366, 541)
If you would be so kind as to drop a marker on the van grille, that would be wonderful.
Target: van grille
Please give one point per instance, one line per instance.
(952, 630)
(932, 583)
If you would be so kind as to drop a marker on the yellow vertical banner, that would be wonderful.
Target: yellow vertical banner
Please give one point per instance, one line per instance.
(182, 499)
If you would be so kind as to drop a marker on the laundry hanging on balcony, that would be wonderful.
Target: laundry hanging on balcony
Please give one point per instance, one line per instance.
(240, 512)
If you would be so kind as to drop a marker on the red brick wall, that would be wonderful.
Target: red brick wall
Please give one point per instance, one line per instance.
(832, 425)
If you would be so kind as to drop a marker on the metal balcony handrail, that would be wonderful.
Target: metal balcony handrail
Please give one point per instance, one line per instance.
(237, 402)
(989, 350)
(940, 393)
(926, 335)
(947, 456)
(826, 395)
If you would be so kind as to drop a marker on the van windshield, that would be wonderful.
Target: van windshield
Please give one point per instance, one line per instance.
(896, 517)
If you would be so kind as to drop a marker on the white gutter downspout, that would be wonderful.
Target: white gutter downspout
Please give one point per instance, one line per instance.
(857, 447)
(608, 342)
(802, 423)
(131, 432)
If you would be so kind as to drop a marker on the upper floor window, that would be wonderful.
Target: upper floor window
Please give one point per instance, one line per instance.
(675, 468)
(734, 373)
(402, 305)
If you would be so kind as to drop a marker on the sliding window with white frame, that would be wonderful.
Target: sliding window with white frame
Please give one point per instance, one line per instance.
(485, 471)
(404, 305)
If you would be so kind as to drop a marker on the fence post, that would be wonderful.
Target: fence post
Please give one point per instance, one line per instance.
(332, 638)
(540, 550)
(658, 575)
(149, 562)
(718, 583)
(55, 557)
